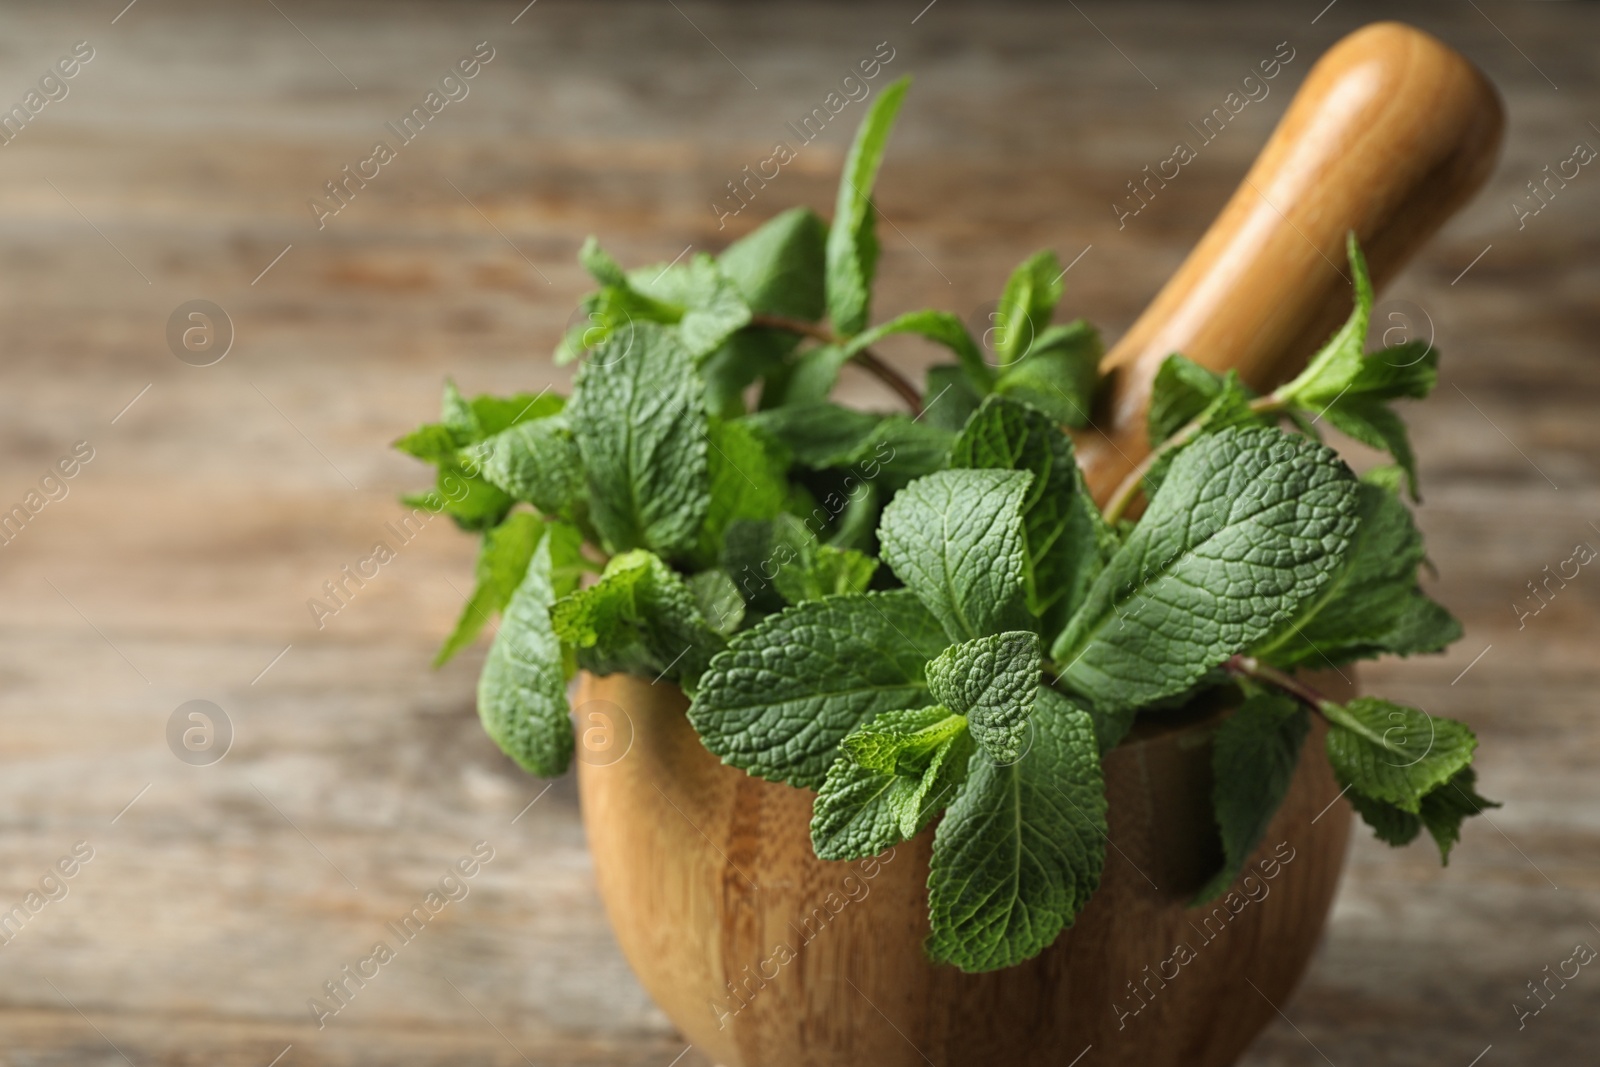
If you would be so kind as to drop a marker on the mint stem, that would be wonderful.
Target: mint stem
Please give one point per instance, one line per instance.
(1249, 667)
(868, 360)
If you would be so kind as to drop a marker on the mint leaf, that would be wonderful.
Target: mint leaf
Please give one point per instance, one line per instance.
(955, 539)
(637, 418)
(949, 398)
(852, 249)
(854, 815)
(746, 357)
(719, 600)
(522, 692)
(1253, 760)
(641, 618)
(432, 443)
(1373, 604)
(1389, 824)
(1065, 541)
(786, 692)
(806, 569)
(709, 306)
(502, 563)
(1331, 371)
(1058, 374)
(537, 462)
(456, 413)
(1030, 298)
(495, 414)
(1394, 753)
(600, 265)
(748, 480)
(1444, 809)
(1441, 812)
(816, 434)
(901, 742)
(779, 267)
(897, 773)
(1373, 424)
(1021, 849)
(1249, 524)
(1182, 389)
(813, 375)
(992, 681)
(941, 327)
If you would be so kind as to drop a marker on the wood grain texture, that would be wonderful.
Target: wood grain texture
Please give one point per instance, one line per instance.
(1391, 133)
(208, 517)
(765, 955)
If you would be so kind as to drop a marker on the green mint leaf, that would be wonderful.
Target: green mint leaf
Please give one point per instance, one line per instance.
(748, 480)
(614, 308)
(636, 415)
(1441, 814)
(1394, 753)
(1030, 298)
(1066, 542)
(641, 618)
(949, 398)
(719, 600)
(710, 306)
(855, 814)
(1409, 371)
(1249, 524)
(600, 265)
(779, 267)
(786, 692)
(902, 742)
(814, 374)
(1444, 809)
(1059, 373)
(1181, 391)
(432, 443)
(468, 499)
(1389, 824)
(852, 248)
(1021, 849)
(522, 692)
(1331, 371)
(1372, 605)
(1253, 760)
(955, 539)
(742, 360)
(1372, 423)
(494, 414)
(897, 773)
(456, 413)
(897, 451)
(993, 682)
(816, 434)
(502, 563)
(804, 568)
(537, 462)
(941, 327)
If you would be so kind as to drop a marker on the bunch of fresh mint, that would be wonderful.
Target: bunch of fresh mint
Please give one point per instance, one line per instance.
(925, 613)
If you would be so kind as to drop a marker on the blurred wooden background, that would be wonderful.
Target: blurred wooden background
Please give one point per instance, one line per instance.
(179, 166)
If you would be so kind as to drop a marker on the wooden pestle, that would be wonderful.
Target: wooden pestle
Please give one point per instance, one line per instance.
(1392, 131)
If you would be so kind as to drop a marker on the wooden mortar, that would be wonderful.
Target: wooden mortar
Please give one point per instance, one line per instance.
(765, 956)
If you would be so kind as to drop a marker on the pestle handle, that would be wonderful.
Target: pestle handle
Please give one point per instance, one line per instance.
(1392, 131)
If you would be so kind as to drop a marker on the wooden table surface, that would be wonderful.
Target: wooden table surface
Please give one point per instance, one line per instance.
(219, 499)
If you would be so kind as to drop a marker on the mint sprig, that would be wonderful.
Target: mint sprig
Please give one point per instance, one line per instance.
(922, 615)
